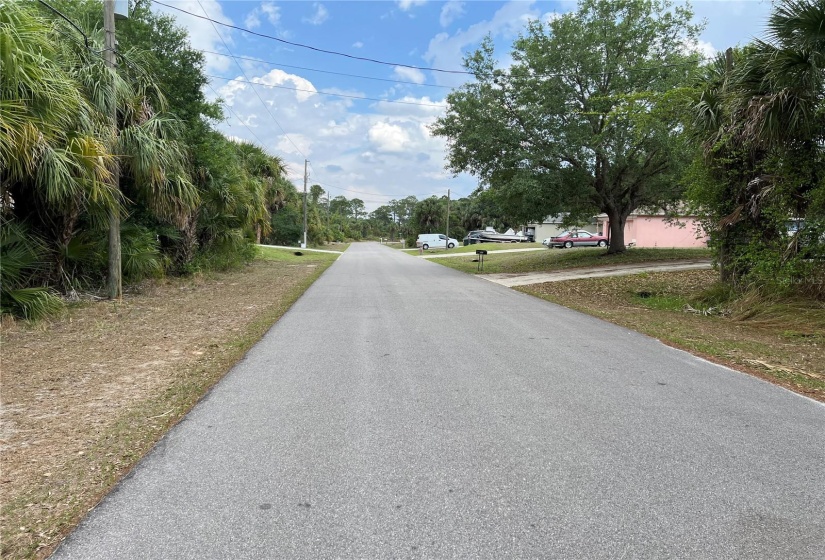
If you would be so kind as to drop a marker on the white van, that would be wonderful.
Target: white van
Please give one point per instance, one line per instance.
(435, 241)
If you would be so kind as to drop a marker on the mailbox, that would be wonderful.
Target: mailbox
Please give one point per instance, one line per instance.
(480, 259)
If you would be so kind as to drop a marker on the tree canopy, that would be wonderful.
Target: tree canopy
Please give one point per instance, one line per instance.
(759, 176)
(586, 119)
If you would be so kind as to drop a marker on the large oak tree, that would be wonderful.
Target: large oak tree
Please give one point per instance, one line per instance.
(587, 117)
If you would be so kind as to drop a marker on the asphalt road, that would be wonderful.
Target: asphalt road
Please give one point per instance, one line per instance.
(402, 409)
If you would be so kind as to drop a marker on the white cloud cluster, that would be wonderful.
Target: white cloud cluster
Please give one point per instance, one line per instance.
(319, 16)
(202, 34)
(387, 137)
(266, 9)
(407, 5)
(384, 148)
(304, 89)
(450, 12)
(447, 51)
(409, 74)
(706, 49)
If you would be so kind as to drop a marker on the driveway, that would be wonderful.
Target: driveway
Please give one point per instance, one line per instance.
(402, 409)
(524, 279)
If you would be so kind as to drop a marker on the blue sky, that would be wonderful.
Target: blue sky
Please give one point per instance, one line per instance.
(377, 149)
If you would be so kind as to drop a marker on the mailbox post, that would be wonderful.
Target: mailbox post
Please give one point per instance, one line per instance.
(480, 253)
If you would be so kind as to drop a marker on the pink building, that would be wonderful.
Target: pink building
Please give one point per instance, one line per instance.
(652, 230)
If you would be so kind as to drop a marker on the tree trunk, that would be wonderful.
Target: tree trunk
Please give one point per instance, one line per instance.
(617, 222)
(189, 241)
(64, 238)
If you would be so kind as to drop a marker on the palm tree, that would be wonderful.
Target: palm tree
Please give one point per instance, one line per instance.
(761, 120)
(59, 144)
(54, 163)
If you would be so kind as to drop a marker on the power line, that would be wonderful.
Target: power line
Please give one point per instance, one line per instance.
(278, 64)
(247, 81)
(264, 35)
(253, 89)
(377, 61)
(73, 24)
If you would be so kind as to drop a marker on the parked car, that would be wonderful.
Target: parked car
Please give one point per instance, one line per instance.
(474, 237)
(435, 241)
(580, 238)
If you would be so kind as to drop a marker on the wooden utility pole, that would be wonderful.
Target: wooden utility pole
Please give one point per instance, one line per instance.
(115, 282)
(447, 243)
(304, 244)
(725, 272)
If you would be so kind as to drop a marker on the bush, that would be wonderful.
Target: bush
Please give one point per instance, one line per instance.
(22, 265)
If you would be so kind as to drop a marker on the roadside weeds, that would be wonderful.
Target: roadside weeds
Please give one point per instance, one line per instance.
(87, 396)
(782, 350)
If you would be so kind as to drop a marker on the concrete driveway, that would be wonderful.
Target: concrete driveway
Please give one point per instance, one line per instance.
(527, 278)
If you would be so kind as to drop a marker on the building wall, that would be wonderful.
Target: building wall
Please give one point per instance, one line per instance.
(552, 229)
(654, 231)
(543, 231)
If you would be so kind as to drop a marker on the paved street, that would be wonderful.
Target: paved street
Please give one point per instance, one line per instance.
(402, 409)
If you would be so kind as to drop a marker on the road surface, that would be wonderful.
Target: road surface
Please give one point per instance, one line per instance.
(402, 409)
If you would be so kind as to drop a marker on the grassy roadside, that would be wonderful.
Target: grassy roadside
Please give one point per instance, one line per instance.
(558, 259)
(87, 396)
(493, 247)
(781, 340)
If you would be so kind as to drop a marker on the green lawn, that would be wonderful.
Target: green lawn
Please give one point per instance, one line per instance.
(495, 247)
(556, 259)
(289, 256)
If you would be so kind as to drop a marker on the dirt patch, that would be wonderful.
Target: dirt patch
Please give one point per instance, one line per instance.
(786, 350)
(84, 397)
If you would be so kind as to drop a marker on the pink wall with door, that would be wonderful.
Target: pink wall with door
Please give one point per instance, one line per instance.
(654, 231)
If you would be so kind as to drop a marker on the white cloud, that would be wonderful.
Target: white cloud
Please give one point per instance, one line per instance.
(706, 49)
(273, 12)
(423, 109)
(230, 90)
(451, 11)
(388, 137)
(202, 34)
(407, 5)
(386, 148)
(320, 16)
(252, 20)
(339, 129)
(358, 44)
(277, 77)
(550, 16)
(295, 144)
(447, 51)
(409, 74)
(268, 9)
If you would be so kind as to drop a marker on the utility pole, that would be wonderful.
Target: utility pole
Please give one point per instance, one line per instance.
(115, 282)
(304, 244)
(447, 243)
